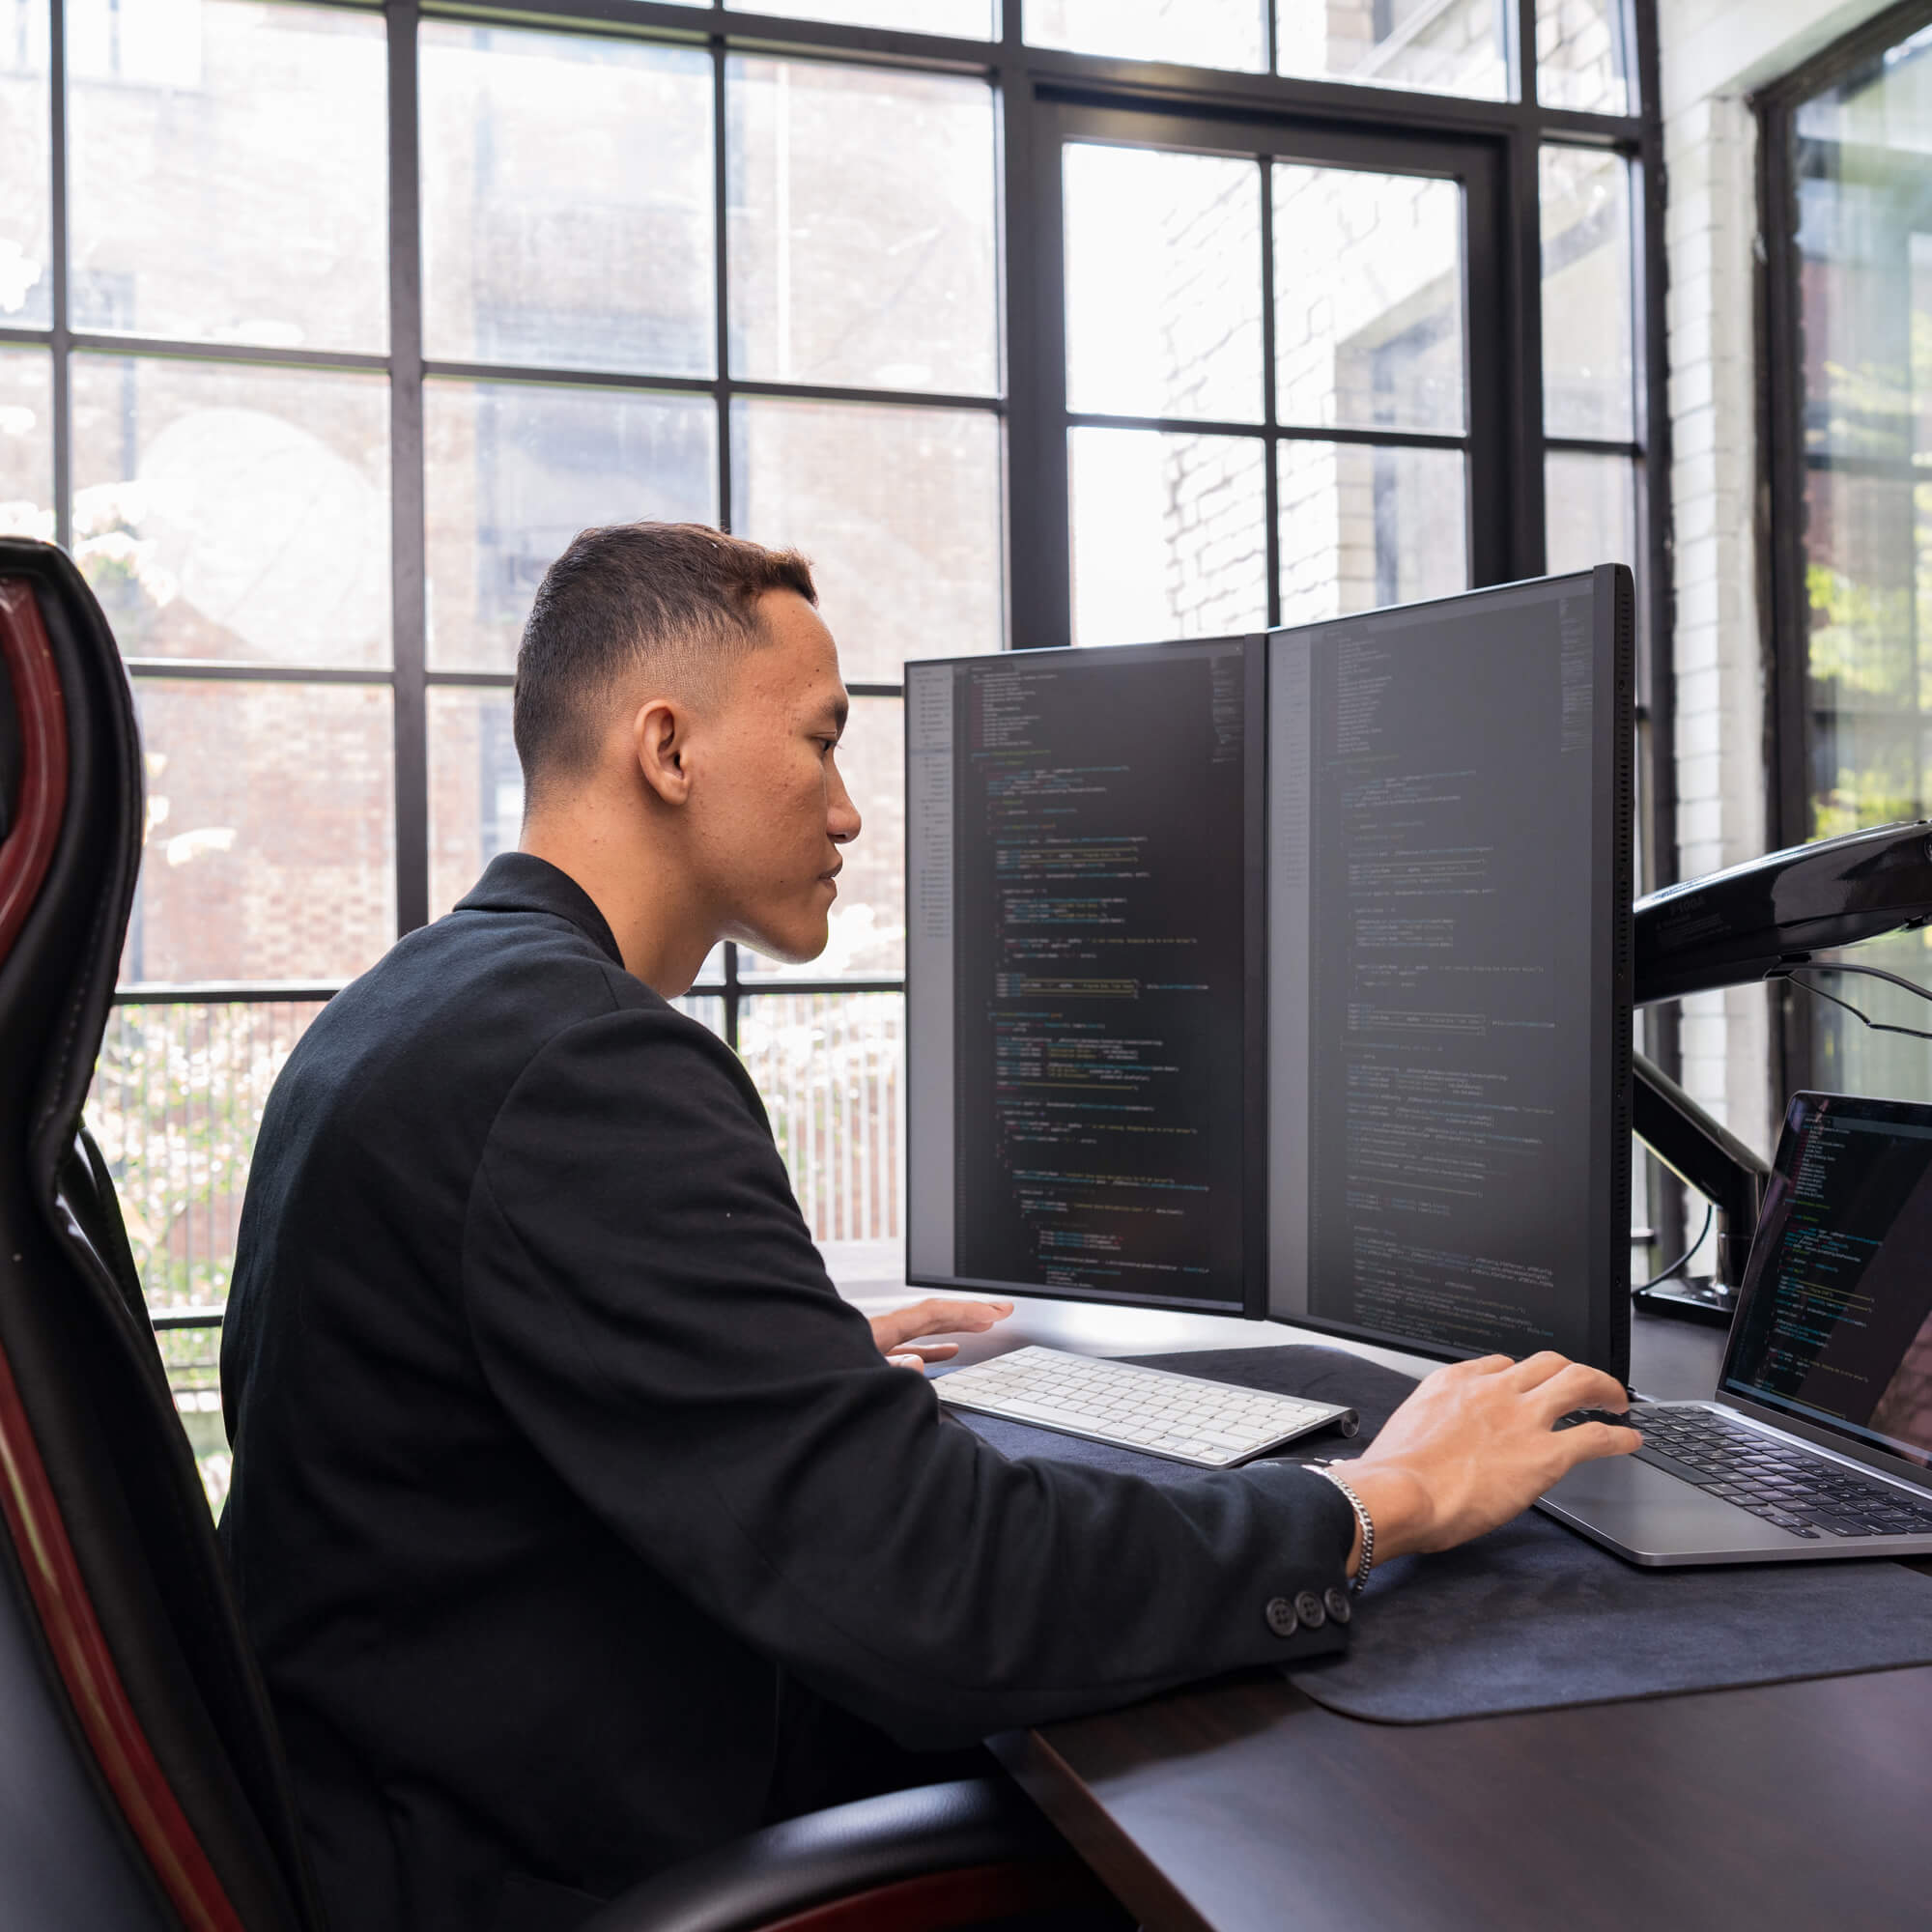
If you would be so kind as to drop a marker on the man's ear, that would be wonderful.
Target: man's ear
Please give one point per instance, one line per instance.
(660, 734)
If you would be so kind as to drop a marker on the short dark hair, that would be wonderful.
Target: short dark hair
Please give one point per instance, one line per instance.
(624, 596)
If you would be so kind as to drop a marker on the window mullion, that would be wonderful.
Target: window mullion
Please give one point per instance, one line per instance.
(1271, 475)
(63, 477)
(410, 608)
(720, 235)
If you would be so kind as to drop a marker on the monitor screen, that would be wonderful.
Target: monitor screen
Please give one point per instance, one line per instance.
(1448, 977)
(1083, 960)
(1834, 1320)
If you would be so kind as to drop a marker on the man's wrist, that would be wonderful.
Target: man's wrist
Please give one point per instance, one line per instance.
(1361, 1555)
(1396, 1503)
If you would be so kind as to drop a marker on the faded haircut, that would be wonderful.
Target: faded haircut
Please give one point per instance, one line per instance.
(681, 599)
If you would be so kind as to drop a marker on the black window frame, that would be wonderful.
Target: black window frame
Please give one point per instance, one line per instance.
(1031, 86)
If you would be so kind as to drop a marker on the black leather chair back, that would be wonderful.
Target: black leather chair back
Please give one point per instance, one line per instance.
(110, 1559)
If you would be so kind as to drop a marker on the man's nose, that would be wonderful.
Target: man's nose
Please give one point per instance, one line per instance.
(843, 822)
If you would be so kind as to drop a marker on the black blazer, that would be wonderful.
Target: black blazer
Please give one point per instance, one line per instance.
(566, 1487)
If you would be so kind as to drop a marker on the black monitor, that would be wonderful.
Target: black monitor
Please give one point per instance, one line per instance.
(1084, 904)
(1449, 971)
(1285, 976)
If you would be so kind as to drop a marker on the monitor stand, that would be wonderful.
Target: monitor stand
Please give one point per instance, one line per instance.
(1703, 1153)
(1689, 1297)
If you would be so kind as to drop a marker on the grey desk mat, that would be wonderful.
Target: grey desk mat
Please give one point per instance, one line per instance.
(1532, 1616)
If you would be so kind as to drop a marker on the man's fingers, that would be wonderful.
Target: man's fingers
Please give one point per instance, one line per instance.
(937, 1316)
(907, 1362)
(1590, 1440)
(1478, 1365)
(1577, 1386)
(1533, 1371)
(973, 1317)
(931, 1351)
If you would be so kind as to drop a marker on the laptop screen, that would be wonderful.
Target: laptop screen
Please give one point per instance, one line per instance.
(1835, 1322)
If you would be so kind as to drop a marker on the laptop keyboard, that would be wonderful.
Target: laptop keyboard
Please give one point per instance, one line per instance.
(1804, 1494)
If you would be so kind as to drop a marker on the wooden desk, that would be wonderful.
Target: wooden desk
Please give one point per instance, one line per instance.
(1244, 1806)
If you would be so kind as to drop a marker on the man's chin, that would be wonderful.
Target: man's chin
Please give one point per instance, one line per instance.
(798, 946)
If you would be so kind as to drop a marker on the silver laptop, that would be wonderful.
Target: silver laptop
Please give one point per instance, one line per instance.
(1818, 1441)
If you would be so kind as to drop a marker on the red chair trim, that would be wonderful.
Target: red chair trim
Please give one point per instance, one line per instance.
(950, 1901)
(33, 1515)
(94, 1684)
(29, 847)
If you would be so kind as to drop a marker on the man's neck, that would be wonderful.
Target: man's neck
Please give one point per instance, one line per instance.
(647, 902)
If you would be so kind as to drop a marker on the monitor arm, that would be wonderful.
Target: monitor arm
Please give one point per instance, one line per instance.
(1730, 929)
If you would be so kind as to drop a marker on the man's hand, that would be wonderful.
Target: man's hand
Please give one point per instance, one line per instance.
(1475, 1446)
(894, 1332)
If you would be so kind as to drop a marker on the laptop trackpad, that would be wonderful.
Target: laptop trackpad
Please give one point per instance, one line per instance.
(1653, 1516)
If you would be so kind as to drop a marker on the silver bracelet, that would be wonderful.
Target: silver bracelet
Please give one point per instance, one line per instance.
(1367, 1521)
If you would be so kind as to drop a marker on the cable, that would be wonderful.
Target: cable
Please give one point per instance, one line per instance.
(1817, 992)
(1790, 973)
(1710, 1213)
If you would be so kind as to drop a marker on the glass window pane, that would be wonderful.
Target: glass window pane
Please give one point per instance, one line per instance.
(177, 1097)
(831, 1070)
(1865, 288)
(862, 227)
(900, 511)
(513, 470)
(1582, 58)
(1163, 284)
(26, 166)
(1189, 33)
(1867, 275)
(198, 211)
(26, 443)
(963, 19)
(1588, 359)
(1589, 510)
(1368, 275)
(1869, 563)
(192, 1357)
(567, 201)
(223, 511)
(475, 788)
(1169, 535)
(868, 917)
(705, 1008)
(271, 831)
(1363, 526)
(1444, 46)
(176, 1102)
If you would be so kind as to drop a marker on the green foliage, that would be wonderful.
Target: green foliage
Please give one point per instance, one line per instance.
(176, 1103)
(1862, 636)
(1862, 797)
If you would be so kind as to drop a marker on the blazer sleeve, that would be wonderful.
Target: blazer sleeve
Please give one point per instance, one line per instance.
(647, 1304)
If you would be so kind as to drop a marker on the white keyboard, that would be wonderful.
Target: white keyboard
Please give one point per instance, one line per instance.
(1212, 1425)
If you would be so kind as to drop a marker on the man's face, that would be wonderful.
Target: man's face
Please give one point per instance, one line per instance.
(771, 809)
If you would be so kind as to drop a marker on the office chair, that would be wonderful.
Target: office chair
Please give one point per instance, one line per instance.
(142, 1784)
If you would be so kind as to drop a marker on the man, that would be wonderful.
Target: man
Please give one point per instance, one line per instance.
(579, 1524)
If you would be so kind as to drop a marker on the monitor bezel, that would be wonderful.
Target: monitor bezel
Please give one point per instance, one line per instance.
(1606, 1323)
(1252, 1304)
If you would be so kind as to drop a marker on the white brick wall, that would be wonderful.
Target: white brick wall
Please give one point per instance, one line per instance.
(1713, 53)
